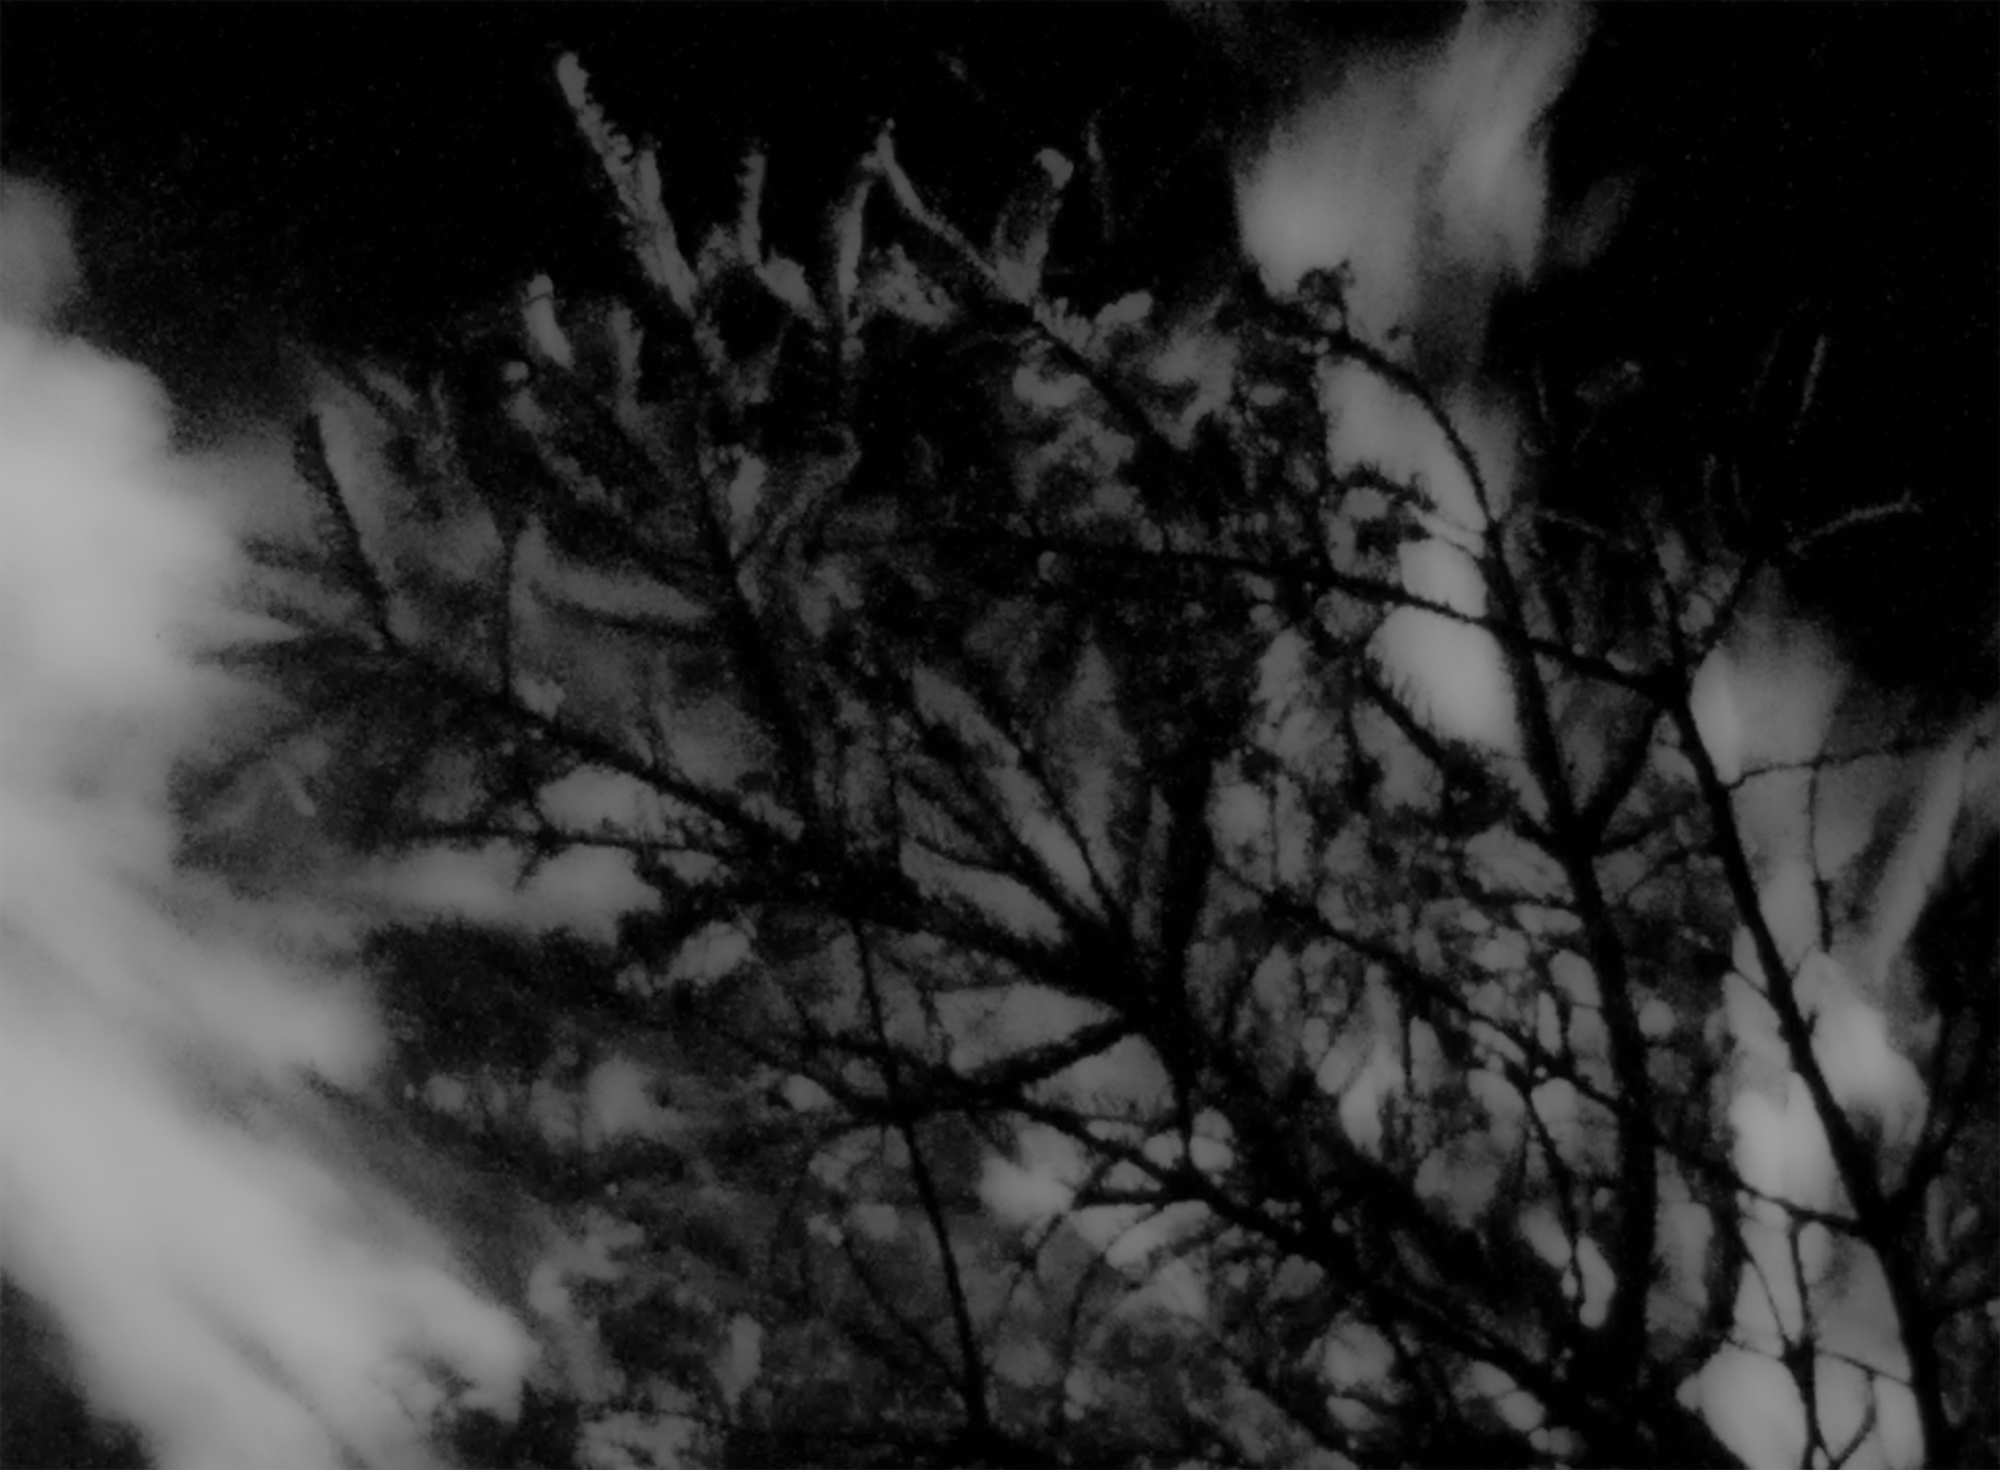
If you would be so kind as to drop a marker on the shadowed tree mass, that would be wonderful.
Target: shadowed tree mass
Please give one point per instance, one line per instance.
(872, 736)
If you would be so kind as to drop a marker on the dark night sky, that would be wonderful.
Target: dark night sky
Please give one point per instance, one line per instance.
(361, 173)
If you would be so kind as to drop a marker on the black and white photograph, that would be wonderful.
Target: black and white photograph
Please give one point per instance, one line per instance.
(1185, 734)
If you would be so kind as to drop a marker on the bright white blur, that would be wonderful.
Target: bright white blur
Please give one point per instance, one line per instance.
(244, 1298)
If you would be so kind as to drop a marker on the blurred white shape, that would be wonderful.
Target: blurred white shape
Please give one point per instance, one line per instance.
(235, 1276)
(1420, 175)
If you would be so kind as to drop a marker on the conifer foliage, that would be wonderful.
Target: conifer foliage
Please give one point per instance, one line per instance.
(947, 902)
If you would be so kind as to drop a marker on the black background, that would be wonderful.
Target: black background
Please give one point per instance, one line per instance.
(367, 175)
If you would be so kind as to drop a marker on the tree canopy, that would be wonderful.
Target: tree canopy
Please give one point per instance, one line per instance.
(913, 849)
(990, 843)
